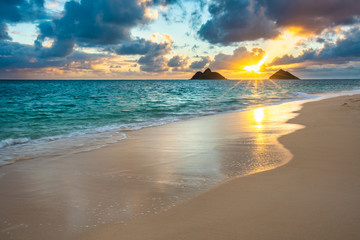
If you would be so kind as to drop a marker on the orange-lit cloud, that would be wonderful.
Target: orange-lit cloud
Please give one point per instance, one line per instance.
(278, 47)
(240, 58)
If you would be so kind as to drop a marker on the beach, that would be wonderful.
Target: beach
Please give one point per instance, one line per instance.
(179, 181)
(179, 120)
(314, 196)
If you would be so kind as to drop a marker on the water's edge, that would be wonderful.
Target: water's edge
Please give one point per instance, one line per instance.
(12, 150)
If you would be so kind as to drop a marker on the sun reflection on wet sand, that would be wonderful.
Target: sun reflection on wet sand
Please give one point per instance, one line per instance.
(259, 117)
(151, 171)
(266, 124)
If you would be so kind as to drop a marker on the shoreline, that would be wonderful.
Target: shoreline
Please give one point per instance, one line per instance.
(122, 134)
(150, 172)
(314, 196)
(82, 195)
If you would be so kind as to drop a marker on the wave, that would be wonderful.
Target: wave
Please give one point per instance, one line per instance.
(12, 150)
(11, 142)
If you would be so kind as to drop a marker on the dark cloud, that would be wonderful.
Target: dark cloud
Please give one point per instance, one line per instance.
(154, 60)
(342, 51)
(200, 64)
(153, 52)
(93, 23)
(21, 10)
(15, 11)
(62, 45)
(236, 21)
(138, 46)
(153, 63)
(243, 20)
(19, 56)
(178, 63)
(312, 15)
(328, 71)
(240, 58)
(4, 32)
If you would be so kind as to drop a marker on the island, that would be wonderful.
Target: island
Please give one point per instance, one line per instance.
(281, 74)
(208, 75)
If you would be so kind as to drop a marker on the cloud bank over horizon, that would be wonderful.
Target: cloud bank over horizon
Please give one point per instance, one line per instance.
(124, 39)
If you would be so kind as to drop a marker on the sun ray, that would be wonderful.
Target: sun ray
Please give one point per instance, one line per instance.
(230, 89)
(248, 83)
(255, 84)
(277, 85)
(262, 83)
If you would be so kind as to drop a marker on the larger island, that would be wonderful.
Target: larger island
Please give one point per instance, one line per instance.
(208, 75)
(281, 74)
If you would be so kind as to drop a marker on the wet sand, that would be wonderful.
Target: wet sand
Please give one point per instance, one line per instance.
(314, 196)
(139, 178)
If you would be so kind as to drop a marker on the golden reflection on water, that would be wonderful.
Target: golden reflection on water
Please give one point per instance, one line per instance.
(261, 141)
(260, 148)
(259, 115)
(266, 124)
(258, 118)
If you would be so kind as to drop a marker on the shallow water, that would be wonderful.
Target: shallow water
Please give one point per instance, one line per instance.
(150, 172)
(48, 118)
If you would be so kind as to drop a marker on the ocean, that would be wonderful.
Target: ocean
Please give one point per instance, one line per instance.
(52, 117)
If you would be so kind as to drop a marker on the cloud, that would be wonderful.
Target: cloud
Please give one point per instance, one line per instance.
(139, 46)
(343, 50)
(19, 56)
(245, 20)
(19, 11)
(200, 64)
(345, 71)
(93, 23)
(153, 60)
(179, 63)
(236, 21)
(153, 51)
(240, 58)
(22, 10)
(312, 15)
(4, 32)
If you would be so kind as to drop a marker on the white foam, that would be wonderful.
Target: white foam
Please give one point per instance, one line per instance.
(13, 150)
(11, 141)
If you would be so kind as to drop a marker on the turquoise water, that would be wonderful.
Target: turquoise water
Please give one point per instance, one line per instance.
(41, 118)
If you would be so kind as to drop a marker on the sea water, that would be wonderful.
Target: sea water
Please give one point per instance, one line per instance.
(52, 117)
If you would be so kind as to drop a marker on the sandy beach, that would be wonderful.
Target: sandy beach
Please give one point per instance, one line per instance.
(179, 120)
(148, 186)
(314, 196)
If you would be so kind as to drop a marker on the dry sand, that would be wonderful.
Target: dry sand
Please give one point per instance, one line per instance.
(315, 196)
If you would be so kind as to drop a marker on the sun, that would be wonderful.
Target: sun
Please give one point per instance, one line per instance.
(256, 67)
(283, 44)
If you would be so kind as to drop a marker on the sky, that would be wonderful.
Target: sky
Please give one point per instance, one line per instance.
(173, 39)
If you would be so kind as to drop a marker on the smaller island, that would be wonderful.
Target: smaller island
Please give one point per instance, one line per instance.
(281, 74)
(208, 75)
